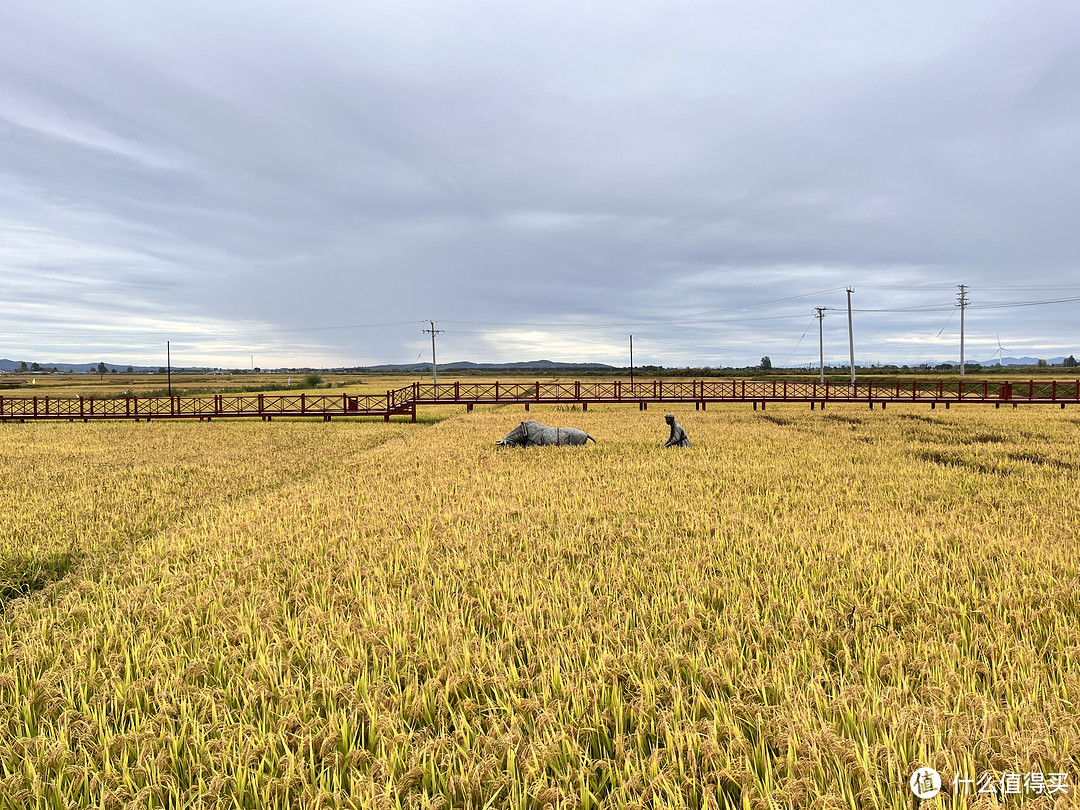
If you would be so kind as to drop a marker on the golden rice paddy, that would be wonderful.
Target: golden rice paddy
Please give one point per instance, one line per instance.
(797, 612)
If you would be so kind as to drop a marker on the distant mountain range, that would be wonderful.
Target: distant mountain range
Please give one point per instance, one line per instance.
(78, 368)
(1005, 361)
(463, 365)
(1024, 361)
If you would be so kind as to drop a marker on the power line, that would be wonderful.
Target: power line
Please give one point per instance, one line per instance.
(800, 340)
(625, 324)
(1013, 304)
(778, 300)
(697, 319)
(1030, 286)
(942, 329)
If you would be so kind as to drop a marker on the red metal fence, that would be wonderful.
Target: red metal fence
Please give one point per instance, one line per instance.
(206, 407)
(405, 400)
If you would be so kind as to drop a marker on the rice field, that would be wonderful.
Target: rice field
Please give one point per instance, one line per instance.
(798, 612)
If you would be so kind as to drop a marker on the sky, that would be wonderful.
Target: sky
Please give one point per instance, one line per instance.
(285, 184)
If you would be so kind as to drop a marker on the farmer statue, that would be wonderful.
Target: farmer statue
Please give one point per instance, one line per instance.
(678, 435)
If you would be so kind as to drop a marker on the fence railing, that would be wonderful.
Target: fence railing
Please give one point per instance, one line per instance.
(747, 391)
(405, 400)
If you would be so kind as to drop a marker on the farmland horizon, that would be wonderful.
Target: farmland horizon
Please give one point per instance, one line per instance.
(923, 365)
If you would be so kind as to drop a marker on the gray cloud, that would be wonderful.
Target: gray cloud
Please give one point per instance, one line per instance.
(541, 178)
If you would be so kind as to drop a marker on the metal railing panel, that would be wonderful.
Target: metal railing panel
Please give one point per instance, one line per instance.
(405, 399)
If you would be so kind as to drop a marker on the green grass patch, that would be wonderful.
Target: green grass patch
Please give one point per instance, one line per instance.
(22, 575)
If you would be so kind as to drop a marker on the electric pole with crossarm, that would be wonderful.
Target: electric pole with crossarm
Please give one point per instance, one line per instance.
(821, 340)
(434, 368)
(851, 338)
(962, 302)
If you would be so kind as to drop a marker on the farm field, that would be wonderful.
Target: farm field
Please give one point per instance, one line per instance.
(193, 384)
(189, 384)
(797, 612)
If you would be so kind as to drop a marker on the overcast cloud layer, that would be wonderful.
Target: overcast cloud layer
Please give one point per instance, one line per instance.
(309, 183)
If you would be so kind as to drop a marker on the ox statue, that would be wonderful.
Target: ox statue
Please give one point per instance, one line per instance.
(533, 433)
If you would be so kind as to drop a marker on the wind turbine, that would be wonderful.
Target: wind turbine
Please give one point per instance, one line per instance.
(1000, 350)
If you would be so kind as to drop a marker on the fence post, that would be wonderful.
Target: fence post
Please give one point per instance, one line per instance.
(1053, 392)
(35, 406)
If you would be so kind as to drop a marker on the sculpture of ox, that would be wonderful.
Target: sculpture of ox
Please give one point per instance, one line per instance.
(533, 433)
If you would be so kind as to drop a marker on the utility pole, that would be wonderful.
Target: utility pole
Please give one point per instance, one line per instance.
(821, 340)
(434, 368)
(851, 337)
(168, 364)
(631, 361)
(962, 302)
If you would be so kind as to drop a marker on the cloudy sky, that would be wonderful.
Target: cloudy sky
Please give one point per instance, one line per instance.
(310, 183)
